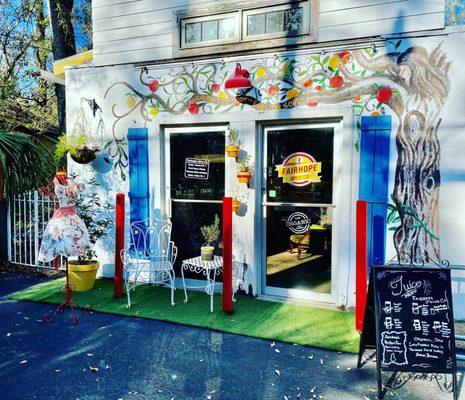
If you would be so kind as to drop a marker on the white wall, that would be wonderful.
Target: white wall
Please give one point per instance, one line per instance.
(93, 82)
(142, 30)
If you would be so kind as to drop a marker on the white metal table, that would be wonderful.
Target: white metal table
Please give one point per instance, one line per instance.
(210, 269)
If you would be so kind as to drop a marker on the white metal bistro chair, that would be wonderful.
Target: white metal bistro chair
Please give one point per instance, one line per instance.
(150, 256)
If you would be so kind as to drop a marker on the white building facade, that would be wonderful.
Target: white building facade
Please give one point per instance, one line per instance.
(349, 100)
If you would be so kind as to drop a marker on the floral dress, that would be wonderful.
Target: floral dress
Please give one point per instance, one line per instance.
(66, 234)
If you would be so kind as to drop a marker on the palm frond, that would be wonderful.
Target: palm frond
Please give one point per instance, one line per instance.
(25, 163)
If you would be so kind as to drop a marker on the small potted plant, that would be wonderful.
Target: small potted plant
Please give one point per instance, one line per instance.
(244, 172)
(234, 143)
(210, 233)
(239, 197)
(95, 215)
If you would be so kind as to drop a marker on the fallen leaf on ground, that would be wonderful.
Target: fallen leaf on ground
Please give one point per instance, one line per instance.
(23, 362)
(276, 371)
(93, 369)
(90, 355)
(272, 344)
(8, 334)
(57, 370)
(277, 351)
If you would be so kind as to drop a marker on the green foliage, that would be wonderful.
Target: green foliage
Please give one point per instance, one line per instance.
(233, 137)
(211, 233)
(394, 217)
(71, 144)
(96, 214)
(245, 165)
(25, 163)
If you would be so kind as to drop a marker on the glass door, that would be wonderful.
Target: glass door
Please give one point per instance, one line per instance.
(298, 210)
(195, 172)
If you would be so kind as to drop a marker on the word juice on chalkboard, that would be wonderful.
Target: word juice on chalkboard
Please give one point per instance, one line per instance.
(413, 322)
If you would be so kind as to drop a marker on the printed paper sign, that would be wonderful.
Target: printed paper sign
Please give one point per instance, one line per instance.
(196, 169)
(299, 169)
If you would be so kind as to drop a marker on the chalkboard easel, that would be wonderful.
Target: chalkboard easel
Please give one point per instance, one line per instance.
(409, 321)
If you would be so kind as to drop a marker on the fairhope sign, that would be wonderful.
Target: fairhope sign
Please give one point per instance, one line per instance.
(299, 169)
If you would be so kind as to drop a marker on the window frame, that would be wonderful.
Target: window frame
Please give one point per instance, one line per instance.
(209, 43)
(241, 42)
(263, 10)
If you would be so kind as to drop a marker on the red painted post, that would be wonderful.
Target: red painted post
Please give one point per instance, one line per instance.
(119, 244)
(361, 257)
(227, 255)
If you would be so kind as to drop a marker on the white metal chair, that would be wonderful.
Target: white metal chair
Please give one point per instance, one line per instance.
(150, 256)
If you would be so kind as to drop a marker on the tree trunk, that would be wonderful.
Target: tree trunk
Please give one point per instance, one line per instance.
(417, 183)
(63, 45)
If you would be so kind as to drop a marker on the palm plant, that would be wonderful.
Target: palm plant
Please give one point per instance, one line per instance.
(25, 163)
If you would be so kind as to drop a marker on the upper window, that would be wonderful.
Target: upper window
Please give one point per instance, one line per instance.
(209, 31)
(272, 22)
(234, 26)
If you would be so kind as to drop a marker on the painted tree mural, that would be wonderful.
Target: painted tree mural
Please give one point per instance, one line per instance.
(413, 84)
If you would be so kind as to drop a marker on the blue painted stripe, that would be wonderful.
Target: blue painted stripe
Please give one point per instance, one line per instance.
(138, 173)
(374, 181)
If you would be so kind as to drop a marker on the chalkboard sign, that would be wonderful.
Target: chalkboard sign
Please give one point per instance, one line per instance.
(414, 320)
(195, 168)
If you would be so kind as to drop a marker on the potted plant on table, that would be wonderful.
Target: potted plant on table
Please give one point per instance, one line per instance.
(234, 143)
(210, 233)
(98, 218)
(244, 172)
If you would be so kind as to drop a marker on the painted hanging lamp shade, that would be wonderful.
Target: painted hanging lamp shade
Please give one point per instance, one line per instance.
(239, 80)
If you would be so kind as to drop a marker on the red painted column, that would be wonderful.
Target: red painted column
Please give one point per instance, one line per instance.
(361, 259)
(227, 256)
(119, 244)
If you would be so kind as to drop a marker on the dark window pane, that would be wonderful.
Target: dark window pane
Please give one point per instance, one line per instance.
(208, 149)
(187, 219)
(293, 19)
(298, 248)
(300, 165)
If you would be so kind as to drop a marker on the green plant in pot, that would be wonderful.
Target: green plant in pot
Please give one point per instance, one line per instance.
(234, 143)
(78, 148)
(98, 218)
(210, 233)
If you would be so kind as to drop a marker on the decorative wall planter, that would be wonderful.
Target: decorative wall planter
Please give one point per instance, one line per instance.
(235, 205)
(244, 177)
(232, 151)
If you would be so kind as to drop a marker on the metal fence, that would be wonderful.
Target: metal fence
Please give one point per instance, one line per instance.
(28, 215)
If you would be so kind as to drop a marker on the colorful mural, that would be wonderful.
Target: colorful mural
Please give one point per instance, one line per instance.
(413, 84)
(455, 12)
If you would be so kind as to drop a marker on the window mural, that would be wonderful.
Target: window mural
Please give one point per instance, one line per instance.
(412, 84)
(455, 12)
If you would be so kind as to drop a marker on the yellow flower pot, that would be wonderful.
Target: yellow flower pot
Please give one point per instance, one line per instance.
(82, 275)
(244, 177)
(232, 151)
(235, 205)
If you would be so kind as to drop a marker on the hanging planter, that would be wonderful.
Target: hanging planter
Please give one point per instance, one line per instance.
(234, 143)
(232, 150)
(235, 205)
(244, 172)
(83, 155)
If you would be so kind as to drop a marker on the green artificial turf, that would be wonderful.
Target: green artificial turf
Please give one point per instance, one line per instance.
(303, 325)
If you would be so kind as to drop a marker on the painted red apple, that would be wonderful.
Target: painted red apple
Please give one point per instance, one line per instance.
(345, 57)
(384, 95)
(319, 88)
(273, 90)
(215, 87)
(153, 85)
(193, 108)
(336, 82)
(312, 103)
(308, 82)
